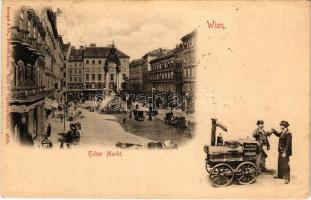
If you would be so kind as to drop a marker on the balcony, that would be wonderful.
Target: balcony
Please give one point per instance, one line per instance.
(19, 35)
(27, 93)
(22, 36)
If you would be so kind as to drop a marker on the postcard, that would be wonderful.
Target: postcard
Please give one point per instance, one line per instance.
(155, 99)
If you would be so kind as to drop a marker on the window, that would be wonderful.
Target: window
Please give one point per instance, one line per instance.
(87, 61)
(86, 69)
(75, 79)
(75, 64)
(124, 76)
(87, 77)
(80, 71)
(92, 69)
(80, 79)
(111, 77)
(99, 77)
(70, 71)
(93, 77)
(93, 62)
(64, 74)
(99, 61)
(70, 78)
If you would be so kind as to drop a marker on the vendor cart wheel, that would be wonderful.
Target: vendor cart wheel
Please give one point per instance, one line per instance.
(221, 174)
(246, 173)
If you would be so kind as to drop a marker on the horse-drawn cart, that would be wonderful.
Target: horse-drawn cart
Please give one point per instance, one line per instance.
(139, 114)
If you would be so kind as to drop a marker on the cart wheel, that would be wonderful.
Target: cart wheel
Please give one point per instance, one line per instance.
(221, 174)
(246, 173)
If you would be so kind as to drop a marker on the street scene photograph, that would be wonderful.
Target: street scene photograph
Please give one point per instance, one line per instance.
(106, 80)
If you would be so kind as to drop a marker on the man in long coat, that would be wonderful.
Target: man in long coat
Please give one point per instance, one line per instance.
(285, 151)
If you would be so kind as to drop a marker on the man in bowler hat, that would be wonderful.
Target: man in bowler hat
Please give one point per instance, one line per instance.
(285, 151)
(261, 137)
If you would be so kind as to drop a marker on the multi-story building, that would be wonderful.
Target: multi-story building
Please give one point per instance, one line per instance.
(162, 72)
(178, 77)
(74, 73)
(105, 68)
(174, 72)
(147, 86)
(188, 65)
(34, 61)
(136, 75)
(66, 57)
(54, 56)
(139, 69)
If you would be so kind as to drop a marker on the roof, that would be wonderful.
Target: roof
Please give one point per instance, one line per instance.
(192, 34)
(157, 52)
(76, 55)
(101, 52)
(163, 57)
(137, 62)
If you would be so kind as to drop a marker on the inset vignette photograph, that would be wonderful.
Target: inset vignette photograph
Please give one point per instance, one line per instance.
(67, 93)
(155, 99)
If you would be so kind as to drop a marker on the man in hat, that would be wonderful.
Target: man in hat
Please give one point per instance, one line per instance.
(285, 151)
(261, 137)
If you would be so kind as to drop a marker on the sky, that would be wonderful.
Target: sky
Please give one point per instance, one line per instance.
(135, 29)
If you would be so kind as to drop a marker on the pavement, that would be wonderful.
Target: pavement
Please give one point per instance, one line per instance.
(108, 129)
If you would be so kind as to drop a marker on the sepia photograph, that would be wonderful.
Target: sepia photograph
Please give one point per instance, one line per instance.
(70, 89)
(155, 99)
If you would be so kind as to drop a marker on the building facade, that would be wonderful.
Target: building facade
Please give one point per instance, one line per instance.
(105, 68)
(188, 65)
(162, 73)
(174, 72)
(139, 71)
(66, 57)
(75, 73)
(54, 56)
(32, 72)
(136, 75)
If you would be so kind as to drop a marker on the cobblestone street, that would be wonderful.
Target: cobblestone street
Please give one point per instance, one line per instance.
(108, 129)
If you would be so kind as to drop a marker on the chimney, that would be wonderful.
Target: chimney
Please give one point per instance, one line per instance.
(213, 133)
(81, 47)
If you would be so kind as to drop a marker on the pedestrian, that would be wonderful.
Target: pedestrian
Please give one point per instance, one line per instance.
(48, 130)
(261, 137)
(150, 112)
(285, 151)
(130, 116)
(124, 117)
